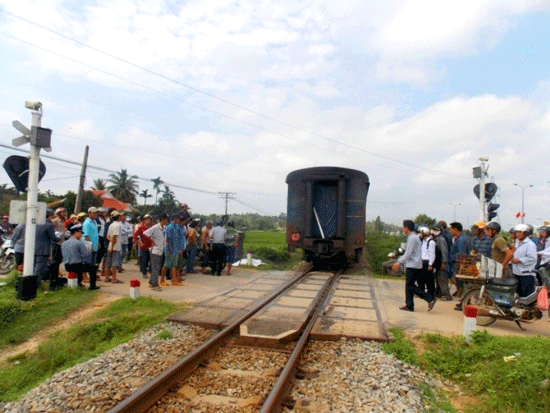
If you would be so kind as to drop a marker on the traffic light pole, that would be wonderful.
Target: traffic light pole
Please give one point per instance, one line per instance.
(482, 201)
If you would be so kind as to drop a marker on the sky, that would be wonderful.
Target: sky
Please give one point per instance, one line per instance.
(233, 96)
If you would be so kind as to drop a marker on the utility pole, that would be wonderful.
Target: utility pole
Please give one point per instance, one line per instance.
(227, 196)
(80, 193)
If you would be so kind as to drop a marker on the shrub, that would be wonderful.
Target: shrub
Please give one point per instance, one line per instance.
(273, 255)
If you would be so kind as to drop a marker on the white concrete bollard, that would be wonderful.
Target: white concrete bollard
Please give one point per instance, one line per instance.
(470, 321)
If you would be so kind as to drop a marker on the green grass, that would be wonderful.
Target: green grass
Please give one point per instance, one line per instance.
(271, 248)
(499, 386)
(21, 319)
(378, 246)
(108, 328)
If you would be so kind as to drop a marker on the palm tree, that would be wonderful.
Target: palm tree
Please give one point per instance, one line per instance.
(123, 186)
(156, 186)
(145, 195)
(99, 184)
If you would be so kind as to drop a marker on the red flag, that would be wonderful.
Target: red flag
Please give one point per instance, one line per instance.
(518, 215)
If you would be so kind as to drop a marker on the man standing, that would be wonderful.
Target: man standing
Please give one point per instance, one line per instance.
(60, 230)
(101, 220)
(524, 261)
(45, 238)
(500, 251)
(175, 245)
(231, 243)
(206, 241)
(114, 248)
(90, 231)
(460, 246)
(412, 260)
(219, 235)
(143, 244)
(440, 264)
(481, 243)
(184, 214)
(156, 235)
(78, 258)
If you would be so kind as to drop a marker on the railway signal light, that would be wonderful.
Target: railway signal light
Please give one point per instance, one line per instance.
(491, 210)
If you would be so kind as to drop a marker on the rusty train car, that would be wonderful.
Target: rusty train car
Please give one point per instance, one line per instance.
(326, 212)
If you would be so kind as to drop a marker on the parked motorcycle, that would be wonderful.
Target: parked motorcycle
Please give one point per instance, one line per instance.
(7, 256)
(497, 299)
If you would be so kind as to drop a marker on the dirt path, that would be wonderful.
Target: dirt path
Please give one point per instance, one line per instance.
(100, 302)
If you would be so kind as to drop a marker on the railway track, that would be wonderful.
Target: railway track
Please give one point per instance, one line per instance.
(208, 367)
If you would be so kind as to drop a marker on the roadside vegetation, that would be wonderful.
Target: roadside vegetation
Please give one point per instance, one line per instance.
(378, 246)
(502, 374)
(270, 247)
(21, 319)
(116, 324)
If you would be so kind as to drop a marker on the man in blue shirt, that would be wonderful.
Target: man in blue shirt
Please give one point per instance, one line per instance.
(173, 250)
(90, 231)
(412, 261)
(460, 245)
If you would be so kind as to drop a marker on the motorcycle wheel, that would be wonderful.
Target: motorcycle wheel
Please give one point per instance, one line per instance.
(472, 298)
(7, 264)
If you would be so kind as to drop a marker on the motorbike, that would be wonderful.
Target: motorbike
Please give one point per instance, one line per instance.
(497, 299)
(7, 256)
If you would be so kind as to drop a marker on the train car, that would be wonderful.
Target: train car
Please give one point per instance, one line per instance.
(326, 212)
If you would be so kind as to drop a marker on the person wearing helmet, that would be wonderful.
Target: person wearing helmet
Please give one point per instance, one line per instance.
(480, 242)
(543, 254)
(427, 281)
(524, 261)
(412, 261)
(500, 251)
(440, 264)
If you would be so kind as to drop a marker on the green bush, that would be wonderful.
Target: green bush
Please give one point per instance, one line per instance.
(379, 245)
(273, 255)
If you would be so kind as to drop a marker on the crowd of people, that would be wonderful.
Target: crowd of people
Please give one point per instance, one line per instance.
(431, 255)
(96, 244)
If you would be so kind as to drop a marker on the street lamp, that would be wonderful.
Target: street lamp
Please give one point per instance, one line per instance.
(454, 210)
(523, 199)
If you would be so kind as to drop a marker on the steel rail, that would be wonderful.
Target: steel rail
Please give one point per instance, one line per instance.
(150, 393)
(283, 385)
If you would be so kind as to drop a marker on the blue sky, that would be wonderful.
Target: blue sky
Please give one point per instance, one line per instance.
(225, 97)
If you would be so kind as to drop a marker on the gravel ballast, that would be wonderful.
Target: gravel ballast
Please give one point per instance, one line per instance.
(335, 376)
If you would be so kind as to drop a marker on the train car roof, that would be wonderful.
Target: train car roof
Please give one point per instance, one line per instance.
(319, 172)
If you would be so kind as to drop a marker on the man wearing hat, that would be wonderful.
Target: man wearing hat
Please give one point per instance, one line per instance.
(114, 248)
(77, 257)
(90, 231)
(184, 213)
(45, 238)
(5, 224)
(481, 243)
(59, 227)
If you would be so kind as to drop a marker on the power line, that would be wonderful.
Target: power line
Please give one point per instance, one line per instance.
(160, 75)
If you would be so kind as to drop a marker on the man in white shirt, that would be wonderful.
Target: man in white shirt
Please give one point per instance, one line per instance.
(114, 248)
(156, 234)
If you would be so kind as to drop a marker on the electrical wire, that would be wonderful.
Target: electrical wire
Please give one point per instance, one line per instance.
(164, 77)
